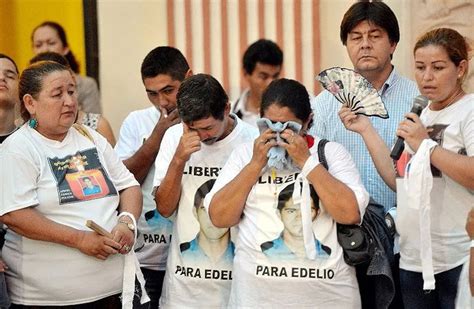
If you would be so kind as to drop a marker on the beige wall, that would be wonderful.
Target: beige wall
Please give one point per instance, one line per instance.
(128, 29)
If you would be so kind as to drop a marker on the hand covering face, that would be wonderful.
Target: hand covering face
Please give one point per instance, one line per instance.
(277, 156)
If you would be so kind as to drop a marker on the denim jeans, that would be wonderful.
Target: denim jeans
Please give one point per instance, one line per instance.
(444, 295)
(153, 285)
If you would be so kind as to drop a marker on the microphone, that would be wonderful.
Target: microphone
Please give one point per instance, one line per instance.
(419, 103)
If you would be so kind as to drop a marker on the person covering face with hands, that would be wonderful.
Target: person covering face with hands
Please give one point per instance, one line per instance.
(193, 153)
(246, 196)
(163, 70)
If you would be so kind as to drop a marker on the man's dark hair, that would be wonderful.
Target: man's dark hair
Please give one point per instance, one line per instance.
(287, 193)
(201, 96)
(263, 51)
(202, 191)
(12, 61)
(377, 13)
(287, 93)
(165, 60)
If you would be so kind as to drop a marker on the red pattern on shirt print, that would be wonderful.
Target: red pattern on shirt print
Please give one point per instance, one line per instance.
(77, 184)
(309, 140)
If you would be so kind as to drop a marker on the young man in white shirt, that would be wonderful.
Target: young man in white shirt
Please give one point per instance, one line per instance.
(261, 64)
(162, 70)
(8, 100)
(192, 154)
(8, 96)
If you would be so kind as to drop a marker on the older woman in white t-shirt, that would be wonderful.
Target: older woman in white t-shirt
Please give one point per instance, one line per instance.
(436, 195)
(47, 168)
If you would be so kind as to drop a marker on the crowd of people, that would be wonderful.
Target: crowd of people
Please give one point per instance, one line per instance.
(204, 202)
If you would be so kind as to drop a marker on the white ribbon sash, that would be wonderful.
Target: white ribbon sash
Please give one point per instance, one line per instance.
(303, 197)
(419, 182)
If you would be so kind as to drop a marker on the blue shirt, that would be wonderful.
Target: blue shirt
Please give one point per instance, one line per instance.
(280, 251)
(195, 253)
(397, 94)
(91, 190)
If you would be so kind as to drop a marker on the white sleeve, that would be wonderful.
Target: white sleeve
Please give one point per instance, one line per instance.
(168, 147)
(128, 142)
(467, 131)
(236, 162)
(18, 188)
(118, 173)
(343, 168)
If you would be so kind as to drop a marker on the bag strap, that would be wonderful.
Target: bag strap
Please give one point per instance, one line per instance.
(322, 154)
(83, 131)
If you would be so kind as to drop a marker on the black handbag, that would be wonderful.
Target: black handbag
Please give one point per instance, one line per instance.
(354, 240)
(355, 244)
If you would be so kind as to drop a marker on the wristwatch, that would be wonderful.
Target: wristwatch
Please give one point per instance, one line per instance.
(130, 225)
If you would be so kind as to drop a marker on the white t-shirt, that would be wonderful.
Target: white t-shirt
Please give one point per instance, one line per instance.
(194, 278)
(239, 107)
(272, 277)
(453, 129)
(154, 231)
(68, 182)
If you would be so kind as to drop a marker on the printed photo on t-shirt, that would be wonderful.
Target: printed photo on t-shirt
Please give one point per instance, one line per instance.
(212, 244)
(81, 177)
(290, 244)
(436, 133)
(158, 230)
(90, 185)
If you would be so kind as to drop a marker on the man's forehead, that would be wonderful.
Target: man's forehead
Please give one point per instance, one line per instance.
(366, 26)
(267, 68)
(7, 65)
(202, 123)
(160, 82)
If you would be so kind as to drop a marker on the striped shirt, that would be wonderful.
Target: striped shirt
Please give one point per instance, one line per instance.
(397, 94)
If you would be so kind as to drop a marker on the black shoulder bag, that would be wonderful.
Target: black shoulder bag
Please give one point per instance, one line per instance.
(354, 239)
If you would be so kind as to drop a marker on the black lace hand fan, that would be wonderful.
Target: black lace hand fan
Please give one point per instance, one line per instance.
(352, 89)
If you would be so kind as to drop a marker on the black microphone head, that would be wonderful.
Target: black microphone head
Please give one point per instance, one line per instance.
(419, 103)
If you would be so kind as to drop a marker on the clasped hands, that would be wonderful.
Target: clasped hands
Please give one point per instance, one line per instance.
(120, 240)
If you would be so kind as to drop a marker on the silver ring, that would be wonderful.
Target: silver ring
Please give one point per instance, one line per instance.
(126, 248)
